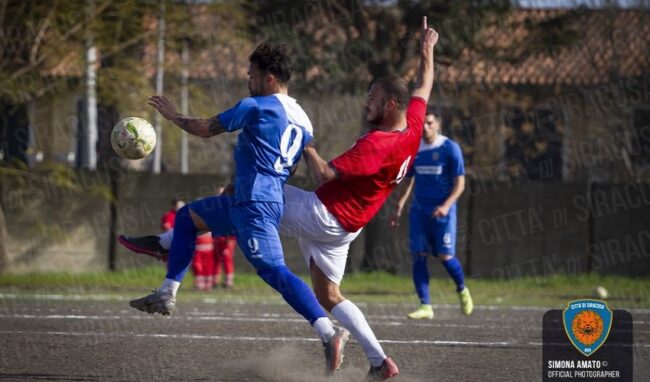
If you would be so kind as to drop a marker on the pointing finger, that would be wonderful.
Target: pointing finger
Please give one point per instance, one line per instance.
(424, 23)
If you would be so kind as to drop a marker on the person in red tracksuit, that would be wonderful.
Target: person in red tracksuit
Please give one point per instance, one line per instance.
(209, 256)
(224, 252)
(203, 263)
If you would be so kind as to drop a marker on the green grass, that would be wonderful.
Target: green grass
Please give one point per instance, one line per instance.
(555, 291)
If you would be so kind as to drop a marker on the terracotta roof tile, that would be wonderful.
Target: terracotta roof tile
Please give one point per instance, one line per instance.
(587, 61)
(612, 41)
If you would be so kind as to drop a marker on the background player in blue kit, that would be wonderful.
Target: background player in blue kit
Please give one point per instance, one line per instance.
(274, 131)
(438, 174)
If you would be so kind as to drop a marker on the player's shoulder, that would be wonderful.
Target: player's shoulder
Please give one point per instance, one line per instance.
(253, 101)
(294, 111)
(452, 145)
(416, 101)
(248, 104)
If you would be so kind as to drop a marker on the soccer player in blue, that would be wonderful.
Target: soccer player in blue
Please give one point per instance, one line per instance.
(274, 131)
(438, 175)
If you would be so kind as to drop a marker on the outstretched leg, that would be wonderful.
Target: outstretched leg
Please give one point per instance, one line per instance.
(352, 318)
(163, 300)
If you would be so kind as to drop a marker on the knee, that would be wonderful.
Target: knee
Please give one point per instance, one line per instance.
(444, 258)
(419, 258)
(329, 296)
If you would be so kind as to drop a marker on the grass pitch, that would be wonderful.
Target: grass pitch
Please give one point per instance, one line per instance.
(555, 291)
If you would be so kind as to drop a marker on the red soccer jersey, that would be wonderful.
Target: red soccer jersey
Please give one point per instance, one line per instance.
(368, 172)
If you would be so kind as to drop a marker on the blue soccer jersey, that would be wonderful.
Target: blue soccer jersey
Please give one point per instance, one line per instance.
(274, 131)
(435, 167)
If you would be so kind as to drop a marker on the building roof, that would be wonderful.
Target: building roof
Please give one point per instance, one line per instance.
(607, 43)
(601, 44)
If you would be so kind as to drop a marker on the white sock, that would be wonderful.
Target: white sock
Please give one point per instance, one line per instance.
(351, 317)
(325, 328)
(170, 286)
(166, 239)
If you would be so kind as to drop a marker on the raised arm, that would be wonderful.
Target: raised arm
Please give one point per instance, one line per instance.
(202, 127)
(428, 40)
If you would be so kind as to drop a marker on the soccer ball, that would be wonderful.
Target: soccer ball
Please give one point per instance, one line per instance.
(601, 293)
(133, 138)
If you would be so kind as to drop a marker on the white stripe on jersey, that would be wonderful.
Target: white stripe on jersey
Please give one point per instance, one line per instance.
(428, 170)
(440, 140)
(295, 113)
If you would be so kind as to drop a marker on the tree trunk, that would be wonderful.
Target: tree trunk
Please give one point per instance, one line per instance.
(90, 145)
(160, 72)
(185, 73)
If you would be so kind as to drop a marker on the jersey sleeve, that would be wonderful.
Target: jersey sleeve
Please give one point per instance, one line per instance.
(364, 158)
(240, 115)
(415, 114)
(456, 162)
(411, 170)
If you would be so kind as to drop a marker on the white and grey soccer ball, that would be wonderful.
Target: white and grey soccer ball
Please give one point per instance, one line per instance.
(133, 138)
(601, 293)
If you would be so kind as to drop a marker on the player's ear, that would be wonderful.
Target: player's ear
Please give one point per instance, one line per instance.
(270, 79)
(390, 105)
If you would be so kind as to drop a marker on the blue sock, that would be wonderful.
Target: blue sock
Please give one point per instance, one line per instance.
(183, 243)
(421, 278)
(294, 291)
(455, 270)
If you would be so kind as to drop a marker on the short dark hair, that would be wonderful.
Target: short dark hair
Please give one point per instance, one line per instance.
(395, 88)
(435, 114)
(273, 59)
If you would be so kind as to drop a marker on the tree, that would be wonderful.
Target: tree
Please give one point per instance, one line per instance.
(343, 45)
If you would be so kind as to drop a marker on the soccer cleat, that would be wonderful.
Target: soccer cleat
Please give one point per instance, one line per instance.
(388, 369)
(148, 245)
(424, 312)
(157, 302)
(466, 303)
(334, 350)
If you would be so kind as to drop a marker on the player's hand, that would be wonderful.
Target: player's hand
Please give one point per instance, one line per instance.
(164, 106)
(440, 212)
(428, 36)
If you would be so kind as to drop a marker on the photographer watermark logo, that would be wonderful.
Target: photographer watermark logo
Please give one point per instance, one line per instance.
(587, 324)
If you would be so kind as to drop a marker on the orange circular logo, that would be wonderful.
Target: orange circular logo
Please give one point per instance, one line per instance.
(587, 327)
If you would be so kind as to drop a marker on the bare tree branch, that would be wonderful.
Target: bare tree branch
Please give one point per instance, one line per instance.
(41, 33)
(73, 30)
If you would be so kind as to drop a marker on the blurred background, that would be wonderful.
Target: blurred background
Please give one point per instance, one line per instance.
(549, 100)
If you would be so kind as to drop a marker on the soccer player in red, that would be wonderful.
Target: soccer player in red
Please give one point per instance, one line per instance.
(353, 187)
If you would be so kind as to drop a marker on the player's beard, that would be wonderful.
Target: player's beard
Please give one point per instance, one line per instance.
(252, 92)
(373, 120)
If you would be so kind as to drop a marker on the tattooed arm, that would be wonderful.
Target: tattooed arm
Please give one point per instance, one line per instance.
(199, 126)
(202, 127)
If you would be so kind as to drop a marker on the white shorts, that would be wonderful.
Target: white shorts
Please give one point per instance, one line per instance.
(320, 236)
